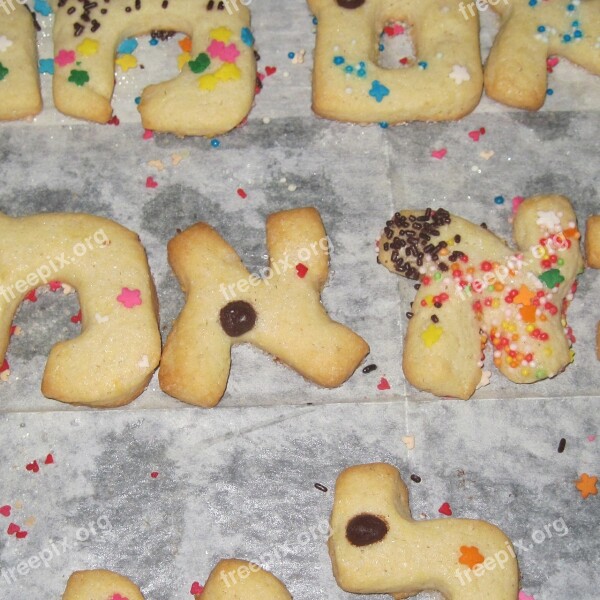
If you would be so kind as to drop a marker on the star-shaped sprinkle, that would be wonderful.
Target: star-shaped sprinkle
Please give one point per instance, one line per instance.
(42, 7)
(88, 47)
(551, 278)
(79, 78)
(130, 298)
(459, 74)
(378, 91)
(221, 34)
(587, 485)
(528, 313)
(5, 43)
(432, 335)
(46, 66)
(126, 62)
(65, 57)
(470, 556)
(525, 296)
(127, 46)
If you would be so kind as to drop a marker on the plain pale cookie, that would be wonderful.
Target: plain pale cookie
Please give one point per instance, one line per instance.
(100, 585)
(212, 95)
(234, 579)
(530, 32)
(474, 289)
(377, 548)
(592, 252)
(280, 312)
(348, 85)
(111, 362)
(19, 79)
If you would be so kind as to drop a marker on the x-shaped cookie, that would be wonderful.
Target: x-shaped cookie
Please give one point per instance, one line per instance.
(377, 548)
(473, 288)
(280, 312)
(530, 32)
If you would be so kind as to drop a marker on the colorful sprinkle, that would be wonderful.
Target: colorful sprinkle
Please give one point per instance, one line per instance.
(432, 335)
(151, 183)
(46, 66)
(200, 63)
(439, 154)
(42, 7)
(247, 36)
(88, 47)
(242, 193)
(587, 485)
(127, 46)
(65, 57)
(3, 71)
(196, 588)
(130, 298)
(301, 270)
(378, 91)
(221, 34)
(445, 509)
(470, 556)
(459, 74)
(383, 384)
(79, 78)
(126, 62)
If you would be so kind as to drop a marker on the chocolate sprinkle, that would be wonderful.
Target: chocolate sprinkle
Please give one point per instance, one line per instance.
(366, 529)
(350, 4)
(369, 369)
(237, 318)
(435, 318)
(320, 487)
(561, 446)
(416, 478)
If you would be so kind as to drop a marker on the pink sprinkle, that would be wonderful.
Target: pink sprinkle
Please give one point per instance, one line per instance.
(118, 597)
(551, 63)
(524, 596)
(196, 588)
(241, 193)
(5, 510)
(55, 285)
(215, 48)
(65, 57)
(383, 384)
(439, 154)
(475, 135)
(230, 53)
(148, 134)
(516, 202)
(151, 183)
(591, 438)
(130, 298)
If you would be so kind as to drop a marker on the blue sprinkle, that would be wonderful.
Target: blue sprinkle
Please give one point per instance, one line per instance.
(215, 143)
(423, 64)
(381, 47)
(127, 46)
(291, 55)
(361, 73)
(575, 23)
(571, 7)
(578, 34)
(247, 36)
(138, 99)
(566, 38)
(46, 66)
(154, 42)
(339, 60)
(541, 29)
(549, 91)
(499, 199)
(532, 2)
(315, 20)
(42, 7)
(384, 124)
(349, 69)
(362, 64)
(379, 91)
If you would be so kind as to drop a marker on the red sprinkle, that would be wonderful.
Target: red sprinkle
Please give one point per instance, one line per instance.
(445, 509)
(301, 270)
(241, 193)
(383, 384)
(114, 121)
(148, 134)
(76, 318)
(34, 467)
(154, 474)
(4, 366)
(55, 285)
(32, 297)
(49, 460)
(196, 588)
(5, 510)
(270, 71)
(151, 182)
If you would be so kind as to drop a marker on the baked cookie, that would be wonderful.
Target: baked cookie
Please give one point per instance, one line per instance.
(592, 251)
(473, 288)
(113, 359)
(232, 579)
(348, 84)
(20, 95)
(279, 312)
(530, 32)
(100, 585)
(377, 548)
(212, 95)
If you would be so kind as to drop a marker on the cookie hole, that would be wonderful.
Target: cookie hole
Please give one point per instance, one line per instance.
(396, 46)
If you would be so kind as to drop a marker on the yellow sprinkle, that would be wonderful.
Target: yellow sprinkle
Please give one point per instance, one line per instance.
(548, 351)
(525, 372)
(126, 62)
(221, 34)
(183, 59)
(495, 303)
(444, 252)
(432, 335)
(88, 47)
(530, 328)
(208, 82)
(228, 72)
(429, 300)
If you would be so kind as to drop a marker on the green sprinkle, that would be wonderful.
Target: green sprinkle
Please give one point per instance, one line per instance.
(3, 71)
(540, 374)
(560, 262)
(79, 78)
(200, 63)
(437, 276)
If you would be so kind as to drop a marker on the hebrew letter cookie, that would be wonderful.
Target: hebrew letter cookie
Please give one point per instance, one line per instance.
(212, 95)
(474, 288)
(280, 312)
(592, 251)
(531, 31)
(113, 359)
(377, 548)
(232, 579)
(100, 585)
(19, 80)
(445, 82)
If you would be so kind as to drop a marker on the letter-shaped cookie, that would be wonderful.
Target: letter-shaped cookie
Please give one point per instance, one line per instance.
(474, 288)
(19, 80)
(377, 548)
(100, 585)
(531, 31)
(592, 252)
(349, 85)
(212, 95)
(281, 314)
(232, 579)
(113, 359)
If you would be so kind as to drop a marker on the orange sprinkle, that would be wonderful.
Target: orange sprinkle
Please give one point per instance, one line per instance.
(587, 485)
(186, 44)
(470, 556)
